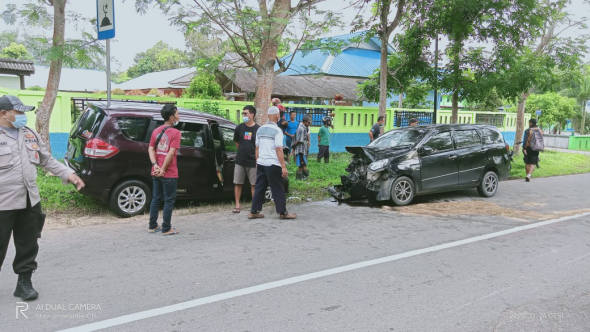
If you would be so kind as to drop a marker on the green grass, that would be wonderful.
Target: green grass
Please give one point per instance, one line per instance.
(552, 164)
(321, 176)
(57, 198)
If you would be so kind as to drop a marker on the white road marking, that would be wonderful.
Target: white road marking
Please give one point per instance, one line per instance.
(305, 277)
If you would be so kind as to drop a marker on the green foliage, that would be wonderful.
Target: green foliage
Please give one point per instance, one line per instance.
(15, 51)
(84, 52)
(204, 86)
(157, 58)
(556, 109)
(120, 77)
(118, 92)
(211, 107)
(35, 88)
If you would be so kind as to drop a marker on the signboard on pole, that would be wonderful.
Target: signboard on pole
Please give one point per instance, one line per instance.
(538, 112)
(105, 18)
(587, 106)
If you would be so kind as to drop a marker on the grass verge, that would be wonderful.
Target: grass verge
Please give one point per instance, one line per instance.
(59, 199)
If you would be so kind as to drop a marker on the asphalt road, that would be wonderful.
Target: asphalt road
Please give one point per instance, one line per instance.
(452, 262)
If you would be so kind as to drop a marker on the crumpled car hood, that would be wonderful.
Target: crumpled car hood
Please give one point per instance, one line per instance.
(372, 154)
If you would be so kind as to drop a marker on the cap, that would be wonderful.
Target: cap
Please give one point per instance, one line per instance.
(9, 103)
(273, 110)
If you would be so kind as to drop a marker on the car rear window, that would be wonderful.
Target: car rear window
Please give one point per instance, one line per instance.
(134, 128)
(88, 124)
(466, 138)
(492, 137)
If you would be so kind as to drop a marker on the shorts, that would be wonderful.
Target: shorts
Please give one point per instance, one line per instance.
(531, 157)
(240, 173)
(324, 152)
(301, 160)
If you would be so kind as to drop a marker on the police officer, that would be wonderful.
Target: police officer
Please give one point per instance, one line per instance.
(21, 151)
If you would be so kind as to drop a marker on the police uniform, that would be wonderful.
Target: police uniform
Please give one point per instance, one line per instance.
(21, 152)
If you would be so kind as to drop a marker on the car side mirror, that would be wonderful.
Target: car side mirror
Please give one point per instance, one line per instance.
(425, 151)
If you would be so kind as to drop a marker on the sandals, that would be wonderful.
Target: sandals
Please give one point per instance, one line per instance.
(255, 215)
(154, 230)
(172, 231)
(236, 210)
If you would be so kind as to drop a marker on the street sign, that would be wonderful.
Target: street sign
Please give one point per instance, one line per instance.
(538, 112)
(105, 18)
(587, 106)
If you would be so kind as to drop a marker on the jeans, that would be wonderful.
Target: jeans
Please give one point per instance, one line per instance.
(288, 142)
(164, 189)
(273, 176)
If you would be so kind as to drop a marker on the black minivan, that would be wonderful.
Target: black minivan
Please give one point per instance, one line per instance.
(108, 147)
(411, 161)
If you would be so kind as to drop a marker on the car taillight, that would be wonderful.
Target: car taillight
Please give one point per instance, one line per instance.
(507, 148)
(96, 148)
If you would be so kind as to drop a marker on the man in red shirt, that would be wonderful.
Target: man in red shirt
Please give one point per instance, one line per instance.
(164, 143)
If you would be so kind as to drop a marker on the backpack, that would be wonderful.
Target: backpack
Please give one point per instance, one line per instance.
(535, 140)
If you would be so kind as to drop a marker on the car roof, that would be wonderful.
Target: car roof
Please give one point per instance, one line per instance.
(445, 127)
(153, 109)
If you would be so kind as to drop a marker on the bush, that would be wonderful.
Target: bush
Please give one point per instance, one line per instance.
(204, 86)
(211, 107)
(118, 92)
(155, 92)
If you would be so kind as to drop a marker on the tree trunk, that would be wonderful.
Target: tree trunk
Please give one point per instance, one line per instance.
(520, 121)
(264, 83)
(400, 102)
(44, 111)
(383, 77)
(455, 104)
(583, 127)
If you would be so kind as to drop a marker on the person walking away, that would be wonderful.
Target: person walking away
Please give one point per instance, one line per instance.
(532, 144)
(270, 168)
(413, 122)
(290, 132)
(245, 139)
(324, 141)
(164, 144)
(21, 151)
(301, 148)
(376, 129)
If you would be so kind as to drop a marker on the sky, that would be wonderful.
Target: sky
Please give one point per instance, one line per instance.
(135, 33)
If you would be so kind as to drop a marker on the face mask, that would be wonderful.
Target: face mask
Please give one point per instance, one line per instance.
(246, 119)
(20, 120)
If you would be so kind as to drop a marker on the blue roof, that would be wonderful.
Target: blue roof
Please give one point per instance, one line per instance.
(352, 62)
(357, 59)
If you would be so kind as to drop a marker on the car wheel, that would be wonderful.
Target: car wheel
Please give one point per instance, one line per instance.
(130, 198)
(489, 184)
(403, 191)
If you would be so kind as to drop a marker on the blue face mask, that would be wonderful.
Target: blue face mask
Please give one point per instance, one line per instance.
(20, 120)
(246, 119)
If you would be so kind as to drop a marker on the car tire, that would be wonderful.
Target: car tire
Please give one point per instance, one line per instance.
(489, 184)
(403, 191)
(130, 198)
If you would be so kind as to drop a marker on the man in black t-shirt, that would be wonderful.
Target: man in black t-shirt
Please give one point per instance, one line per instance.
(376, 130)
(245, 139)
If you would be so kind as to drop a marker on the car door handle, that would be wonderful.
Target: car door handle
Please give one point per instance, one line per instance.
(453, 157)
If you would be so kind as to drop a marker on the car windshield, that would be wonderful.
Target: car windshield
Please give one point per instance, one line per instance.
(398, 139)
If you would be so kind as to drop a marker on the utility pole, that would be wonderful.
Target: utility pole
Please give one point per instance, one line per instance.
(435, 78)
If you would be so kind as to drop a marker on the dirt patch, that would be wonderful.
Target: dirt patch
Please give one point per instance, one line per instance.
(478, 208)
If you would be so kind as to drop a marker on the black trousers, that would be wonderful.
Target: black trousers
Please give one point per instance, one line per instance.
(269, 176)
(26, 225)
(324, 152)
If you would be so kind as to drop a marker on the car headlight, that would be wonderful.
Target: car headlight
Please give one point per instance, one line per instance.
(378, 165)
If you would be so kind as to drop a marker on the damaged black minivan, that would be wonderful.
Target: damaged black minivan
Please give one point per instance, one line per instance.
(411, 161)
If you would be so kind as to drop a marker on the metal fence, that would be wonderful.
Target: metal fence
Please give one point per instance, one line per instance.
(316, 114)
(490, 119)
(402, 118)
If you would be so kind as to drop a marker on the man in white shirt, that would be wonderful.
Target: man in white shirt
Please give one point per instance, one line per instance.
(270, 167)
